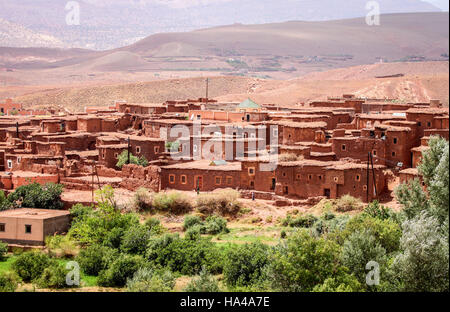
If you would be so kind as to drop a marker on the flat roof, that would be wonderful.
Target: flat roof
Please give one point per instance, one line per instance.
(32, 213)
(205, 164)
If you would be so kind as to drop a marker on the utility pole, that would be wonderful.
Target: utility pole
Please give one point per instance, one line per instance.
(129, 147)
(17, 129)
(207, 90)
(368, 173)
(374, 177)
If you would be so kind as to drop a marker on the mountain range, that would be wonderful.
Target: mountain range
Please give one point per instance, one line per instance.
(108, 24)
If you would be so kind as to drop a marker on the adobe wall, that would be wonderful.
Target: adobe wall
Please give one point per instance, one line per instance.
(135, 177)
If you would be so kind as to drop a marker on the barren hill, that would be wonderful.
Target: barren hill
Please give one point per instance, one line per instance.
(276, 51)
(421, 82)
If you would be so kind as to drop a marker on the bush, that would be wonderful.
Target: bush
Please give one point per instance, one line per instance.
(135, 240)
(30, 265)
(35, 195)
(172, 202)
(143, 199)
(121, 269)
(301, 262)
(3, 250)
(348, 203)
(215, 225)
(8, 282)
(205, 282)
(224, 202)
(155, 226)
(185, 256)
(190, 221)
(61, 246)
(53, 276)
(194, 232)
(151, 280)
(122, 159)
(375, 210)
(244, 264)
(386, 232)
(95, 258)
(301, 221)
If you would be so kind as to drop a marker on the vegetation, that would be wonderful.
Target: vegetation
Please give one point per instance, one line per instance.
(3, 250)
(33, 195)
(151, 280)
(122, 159)
(204, 282)
(223, 202)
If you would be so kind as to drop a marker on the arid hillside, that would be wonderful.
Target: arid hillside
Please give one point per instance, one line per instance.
(269, 51)
(418, 81)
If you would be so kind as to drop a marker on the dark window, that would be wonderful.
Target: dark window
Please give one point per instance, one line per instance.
(420, 124)
(395, 140)
(393, 154)
(344, 147)
(2, 227)
(428, 124)
(27, 228)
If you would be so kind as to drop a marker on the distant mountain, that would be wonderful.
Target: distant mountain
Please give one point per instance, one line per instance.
(14, 35)
(111, 24)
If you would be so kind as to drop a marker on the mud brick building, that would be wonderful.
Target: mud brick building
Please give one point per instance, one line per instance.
(32, 226)
(324, 145)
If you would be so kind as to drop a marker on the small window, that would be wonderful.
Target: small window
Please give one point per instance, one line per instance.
(336, 179)
(27, 228)
(358, 178)
(195, 148)
(229, 180)
(310, 177)
(183, 179)
(172, 178)
(218, 180)
(320, 177)
(252, 184)
(156, 149)
(284, 174)
(395, 140)
(251, 171)
(138, 149)
(103, 154)
(374, 152)
(393, 154)
(428, 124)
(116, 155)
(19, 159)
(2, 227)
(9, 163)
(365, 187)
(298, 176)
(343, 147)
(419, 124)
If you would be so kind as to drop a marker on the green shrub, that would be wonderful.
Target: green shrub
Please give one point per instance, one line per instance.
(172, 202)
(301, 262)
(121, 269)
(135, 240)
(301, 221)
(61, 246)
(194, 232)
(185, 256)
(151, 280)
(53, 276)
(113, 238)
(80, 211)
(215, 225)
(190, 221)
(223, 202)
(375, 210)
(387, 232)
(122, 159)
(95, 258)
(35, 195)
(30, 265)
(8, 282)
(244, 265)
(348, 203)
(205, 282)
(3, 250)
(155, 226)
(143, 199)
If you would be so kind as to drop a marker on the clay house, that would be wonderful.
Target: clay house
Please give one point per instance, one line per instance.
(428, 118)
(142, 108)
(290, 133)
(9, 107)
(206, 175)
(30, 227)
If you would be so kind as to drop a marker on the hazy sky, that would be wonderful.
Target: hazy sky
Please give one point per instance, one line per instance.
(442, 4)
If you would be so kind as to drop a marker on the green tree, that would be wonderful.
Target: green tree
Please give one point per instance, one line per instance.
(302, 262)
(35, 195)
(359, 249)
(122, 159)
(205, 282)
(424, 263)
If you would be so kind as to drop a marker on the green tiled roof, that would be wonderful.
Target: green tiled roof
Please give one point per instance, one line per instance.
(248, 104)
